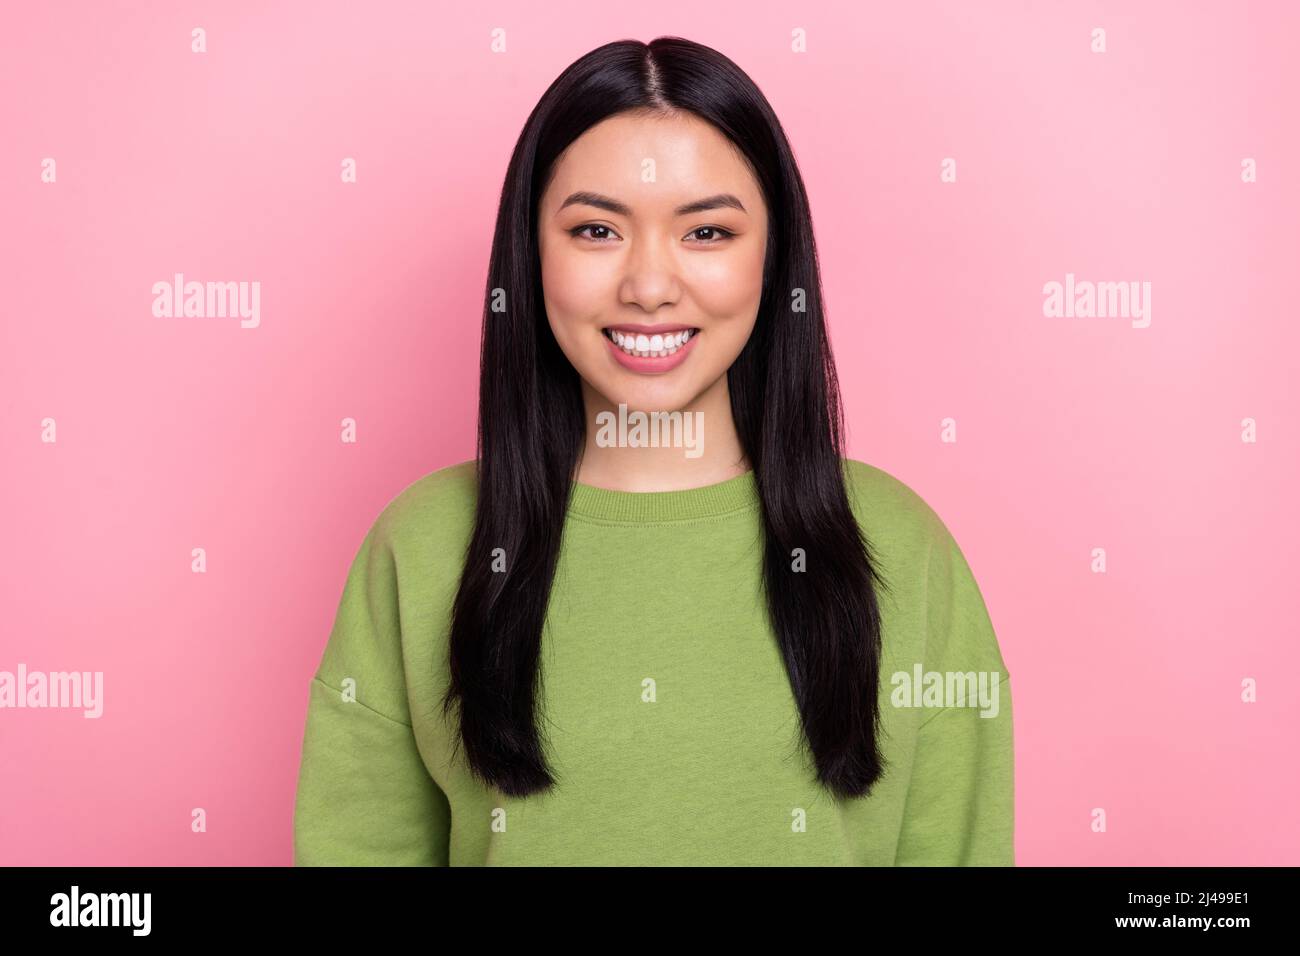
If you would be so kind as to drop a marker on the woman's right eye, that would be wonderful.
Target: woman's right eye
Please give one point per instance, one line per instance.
(580, 229)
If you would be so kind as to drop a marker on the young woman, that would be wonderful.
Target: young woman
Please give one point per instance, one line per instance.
(616, 637)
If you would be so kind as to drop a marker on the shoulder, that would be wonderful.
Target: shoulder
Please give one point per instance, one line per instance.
(431, 514)
(447, 491)
(888, 508)
(916, 545)
(402, 578)
(902, 529)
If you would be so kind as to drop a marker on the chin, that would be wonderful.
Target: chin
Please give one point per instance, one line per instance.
(660, 396)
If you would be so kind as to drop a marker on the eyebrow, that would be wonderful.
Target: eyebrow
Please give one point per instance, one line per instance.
(720, 201)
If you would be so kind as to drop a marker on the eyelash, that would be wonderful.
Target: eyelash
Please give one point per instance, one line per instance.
(724, 233)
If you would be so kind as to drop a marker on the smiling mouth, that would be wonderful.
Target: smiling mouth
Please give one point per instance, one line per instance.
(650, 346)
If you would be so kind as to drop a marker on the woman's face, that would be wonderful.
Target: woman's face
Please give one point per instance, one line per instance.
(640, 239)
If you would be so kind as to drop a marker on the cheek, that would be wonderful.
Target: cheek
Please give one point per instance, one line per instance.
(729, 286)
(573, 290)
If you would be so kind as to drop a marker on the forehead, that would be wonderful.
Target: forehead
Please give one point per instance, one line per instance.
(689, 158)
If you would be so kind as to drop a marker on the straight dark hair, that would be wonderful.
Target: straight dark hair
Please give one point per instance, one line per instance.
(786, 405)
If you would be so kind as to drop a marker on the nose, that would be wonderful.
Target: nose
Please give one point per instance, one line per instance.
(650, 277)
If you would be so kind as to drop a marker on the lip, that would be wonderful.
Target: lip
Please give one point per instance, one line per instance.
(637, 329)
(651, 365)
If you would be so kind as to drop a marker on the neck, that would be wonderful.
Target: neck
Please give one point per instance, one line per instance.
(703, 450)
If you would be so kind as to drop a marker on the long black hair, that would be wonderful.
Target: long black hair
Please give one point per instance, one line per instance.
(786, 406)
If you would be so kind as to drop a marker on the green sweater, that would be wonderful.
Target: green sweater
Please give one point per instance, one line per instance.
(669, 720)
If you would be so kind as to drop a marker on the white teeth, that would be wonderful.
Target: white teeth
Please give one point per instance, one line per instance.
(651, 346)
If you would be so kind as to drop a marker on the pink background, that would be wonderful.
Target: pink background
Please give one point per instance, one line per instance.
(1072, 433)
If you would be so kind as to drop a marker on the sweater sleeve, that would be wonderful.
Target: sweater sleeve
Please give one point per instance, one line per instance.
(960, 806)
(364, 795)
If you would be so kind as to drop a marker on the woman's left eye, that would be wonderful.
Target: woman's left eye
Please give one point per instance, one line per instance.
(724, 234)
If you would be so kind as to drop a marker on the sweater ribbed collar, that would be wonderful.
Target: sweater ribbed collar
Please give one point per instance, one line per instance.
(688, 504)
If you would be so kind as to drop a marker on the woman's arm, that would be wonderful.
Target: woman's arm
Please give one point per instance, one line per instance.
(365, 797)
(960, 808)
